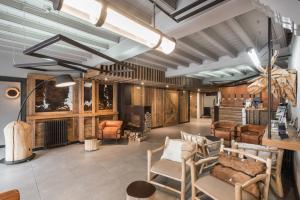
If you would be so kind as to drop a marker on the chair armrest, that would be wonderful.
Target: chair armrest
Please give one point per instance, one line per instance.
(101, 125)
(242, 128)
(149, 157)
(256, 179)
(214, 124)
(157, 149)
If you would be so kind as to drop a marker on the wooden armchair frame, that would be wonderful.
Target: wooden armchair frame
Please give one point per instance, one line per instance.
(276, 182)
(182, 180)
(238, 188)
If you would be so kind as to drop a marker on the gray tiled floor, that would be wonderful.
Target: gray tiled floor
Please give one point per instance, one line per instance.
(70, 173)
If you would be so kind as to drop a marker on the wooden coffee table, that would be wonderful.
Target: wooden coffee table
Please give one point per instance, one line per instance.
(140, 190)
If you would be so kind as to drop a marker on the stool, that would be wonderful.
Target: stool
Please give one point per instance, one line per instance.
(140, 190)
(91, 144)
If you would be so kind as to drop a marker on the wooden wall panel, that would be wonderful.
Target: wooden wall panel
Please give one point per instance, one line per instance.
(157, 106)
(193, 105)
(235, 96)
(137, 95)
(88, 132)
(171, 108)
(183, 106)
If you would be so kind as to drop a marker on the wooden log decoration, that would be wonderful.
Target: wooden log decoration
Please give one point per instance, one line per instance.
(91, 144)
(283, 82)
(18, 142)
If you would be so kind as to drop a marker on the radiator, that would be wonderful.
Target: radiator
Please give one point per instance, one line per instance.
(56, 133)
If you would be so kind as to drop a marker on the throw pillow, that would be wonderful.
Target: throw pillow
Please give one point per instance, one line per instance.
(172, 150)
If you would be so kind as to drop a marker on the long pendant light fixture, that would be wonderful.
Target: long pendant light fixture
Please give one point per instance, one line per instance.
(99, 13)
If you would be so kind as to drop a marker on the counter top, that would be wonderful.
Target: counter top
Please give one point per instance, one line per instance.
(292, 143)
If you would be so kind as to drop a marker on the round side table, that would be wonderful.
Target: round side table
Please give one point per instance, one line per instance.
(140, 190)
(91, 144)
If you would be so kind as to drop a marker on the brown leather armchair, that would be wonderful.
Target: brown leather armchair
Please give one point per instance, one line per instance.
(110, 130)
(250, 133)
(10, 195)
(224, 129)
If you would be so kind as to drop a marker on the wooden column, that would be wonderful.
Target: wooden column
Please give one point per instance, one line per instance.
(198, 106)
(269, 76)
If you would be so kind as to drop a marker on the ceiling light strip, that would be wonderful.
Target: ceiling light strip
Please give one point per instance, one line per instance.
(101, 14)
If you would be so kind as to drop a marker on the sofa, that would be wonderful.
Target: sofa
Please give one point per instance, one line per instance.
(250, 133)
(110, 129)
(224, 129)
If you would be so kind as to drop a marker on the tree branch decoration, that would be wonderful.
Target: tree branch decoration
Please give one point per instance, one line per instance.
(283, 82)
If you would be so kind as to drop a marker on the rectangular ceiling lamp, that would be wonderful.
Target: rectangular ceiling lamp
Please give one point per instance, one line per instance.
(254, 57)
(99, 13)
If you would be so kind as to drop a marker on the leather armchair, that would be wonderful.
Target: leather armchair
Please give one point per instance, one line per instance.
(224, 129)
(250, 133)
(10, 195)
(110, 130)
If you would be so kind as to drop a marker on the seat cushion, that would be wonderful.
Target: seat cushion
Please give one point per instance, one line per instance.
(113, 123)
(223, 133)
(250, 137)
(259, 150)
(110, 130)
(218, 189)
(176, 149)
(167, 168)
(197, 139)
(172, 150)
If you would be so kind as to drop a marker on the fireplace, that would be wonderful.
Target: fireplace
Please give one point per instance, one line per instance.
(138, 118)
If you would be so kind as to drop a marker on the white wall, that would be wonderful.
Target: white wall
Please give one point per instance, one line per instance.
(294, 63)
(7, 62)
(209, 101)
(9, 108)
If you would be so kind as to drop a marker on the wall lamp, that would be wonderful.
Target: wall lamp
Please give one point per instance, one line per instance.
(99, 13)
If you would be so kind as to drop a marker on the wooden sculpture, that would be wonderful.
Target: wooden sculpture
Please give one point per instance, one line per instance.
(283, 82)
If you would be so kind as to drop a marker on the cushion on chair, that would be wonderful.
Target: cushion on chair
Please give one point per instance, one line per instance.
(218, 189)
(113, 123)
(172, 150)
(176, 149)
(187, 149)
(167, 168)
(110, 130)
(247, 166)
(223, 133)
(232, 176)
(251, 137)
(197, 139)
